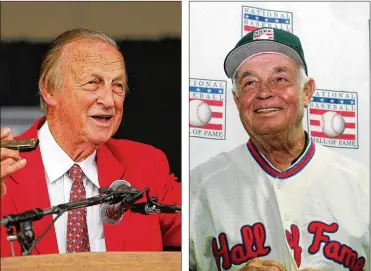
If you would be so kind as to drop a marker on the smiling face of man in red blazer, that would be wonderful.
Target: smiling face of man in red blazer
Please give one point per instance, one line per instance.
(89, 104)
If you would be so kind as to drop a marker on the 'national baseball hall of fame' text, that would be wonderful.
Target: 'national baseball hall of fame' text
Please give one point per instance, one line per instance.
(253, 245)
(333, 118)
(207, 108)
(254, 18)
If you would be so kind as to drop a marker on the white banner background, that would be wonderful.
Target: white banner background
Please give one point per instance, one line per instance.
(335, 39)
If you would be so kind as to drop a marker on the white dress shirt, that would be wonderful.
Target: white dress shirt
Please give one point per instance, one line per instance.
(56, 164)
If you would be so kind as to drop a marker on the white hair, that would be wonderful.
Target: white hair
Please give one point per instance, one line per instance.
(302, 78)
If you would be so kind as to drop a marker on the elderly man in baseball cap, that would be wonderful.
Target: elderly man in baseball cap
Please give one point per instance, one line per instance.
(267, 67)
(270, 204)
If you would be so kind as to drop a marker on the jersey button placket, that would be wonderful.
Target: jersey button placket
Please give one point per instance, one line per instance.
(285, 217)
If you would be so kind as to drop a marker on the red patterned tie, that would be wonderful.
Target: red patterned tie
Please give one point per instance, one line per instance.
(77, 229)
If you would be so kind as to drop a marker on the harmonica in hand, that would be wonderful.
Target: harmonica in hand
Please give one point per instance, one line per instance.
(20, 145)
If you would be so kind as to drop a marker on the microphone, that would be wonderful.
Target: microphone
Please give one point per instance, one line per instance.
(113, 213)
(146, 208)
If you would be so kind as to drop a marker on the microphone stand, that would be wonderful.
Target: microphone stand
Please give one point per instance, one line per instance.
(23, 222)
(153, 207)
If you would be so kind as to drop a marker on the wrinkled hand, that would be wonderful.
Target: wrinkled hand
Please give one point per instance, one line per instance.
(258, 264)
(11, 161)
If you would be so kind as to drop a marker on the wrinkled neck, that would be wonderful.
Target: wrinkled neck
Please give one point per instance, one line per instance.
(72, 144)
(281, 149)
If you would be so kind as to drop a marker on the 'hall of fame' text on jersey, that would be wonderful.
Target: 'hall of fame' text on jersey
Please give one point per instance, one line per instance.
(213, 93)
(345, 106)
(254, 18)
(253, 244)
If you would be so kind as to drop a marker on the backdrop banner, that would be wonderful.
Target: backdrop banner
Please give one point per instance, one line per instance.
(336, 40)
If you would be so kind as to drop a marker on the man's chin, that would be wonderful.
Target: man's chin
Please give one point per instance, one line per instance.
(99, 138)
(267, 130)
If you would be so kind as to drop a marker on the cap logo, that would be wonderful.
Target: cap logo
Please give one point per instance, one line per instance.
(263, 34)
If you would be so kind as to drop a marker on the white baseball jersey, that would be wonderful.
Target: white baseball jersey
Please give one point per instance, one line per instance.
(315, 214)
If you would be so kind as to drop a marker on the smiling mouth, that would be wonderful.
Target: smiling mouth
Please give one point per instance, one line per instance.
(267, 110)
(102, 118)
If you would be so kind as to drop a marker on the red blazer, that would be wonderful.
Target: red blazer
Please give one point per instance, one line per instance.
(141, 165)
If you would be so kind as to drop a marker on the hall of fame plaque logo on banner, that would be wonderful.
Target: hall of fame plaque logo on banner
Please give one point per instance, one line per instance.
(333, 118)
(254, 18)
(207, 99)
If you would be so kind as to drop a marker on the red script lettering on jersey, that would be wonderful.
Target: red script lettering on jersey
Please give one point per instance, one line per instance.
(293, 238)
(333, 250)
(253, 239)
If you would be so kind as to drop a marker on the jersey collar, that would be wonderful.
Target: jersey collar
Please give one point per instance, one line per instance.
(291, 171)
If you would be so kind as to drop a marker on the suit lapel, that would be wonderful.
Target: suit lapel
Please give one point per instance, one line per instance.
(32, 188)
(109, 170)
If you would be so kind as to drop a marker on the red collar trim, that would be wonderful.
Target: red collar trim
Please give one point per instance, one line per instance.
(291, 171)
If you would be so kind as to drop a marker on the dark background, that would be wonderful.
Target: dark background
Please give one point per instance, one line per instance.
(152, 109)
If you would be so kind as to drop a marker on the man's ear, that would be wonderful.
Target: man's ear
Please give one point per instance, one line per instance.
(47, 94)
(308, 91)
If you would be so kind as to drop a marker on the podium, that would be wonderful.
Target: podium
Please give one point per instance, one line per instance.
(93, 261)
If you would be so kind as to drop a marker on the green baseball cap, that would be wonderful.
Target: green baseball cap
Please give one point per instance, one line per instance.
(264, 40)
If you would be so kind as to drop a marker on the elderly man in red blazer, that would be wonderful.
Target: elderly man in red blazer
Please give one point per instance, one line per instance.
(83, 86)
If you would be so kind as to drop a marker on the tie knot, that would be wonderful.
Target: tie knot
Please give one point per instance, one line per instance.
(75, 173)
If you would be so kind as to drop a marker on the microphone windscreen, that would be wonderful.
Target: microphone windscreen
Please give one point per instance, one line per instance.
(119, 183)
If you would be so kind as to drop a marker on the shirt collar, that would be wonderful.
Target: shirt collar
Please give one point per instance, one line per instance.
(57, 162)
(295, 168)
